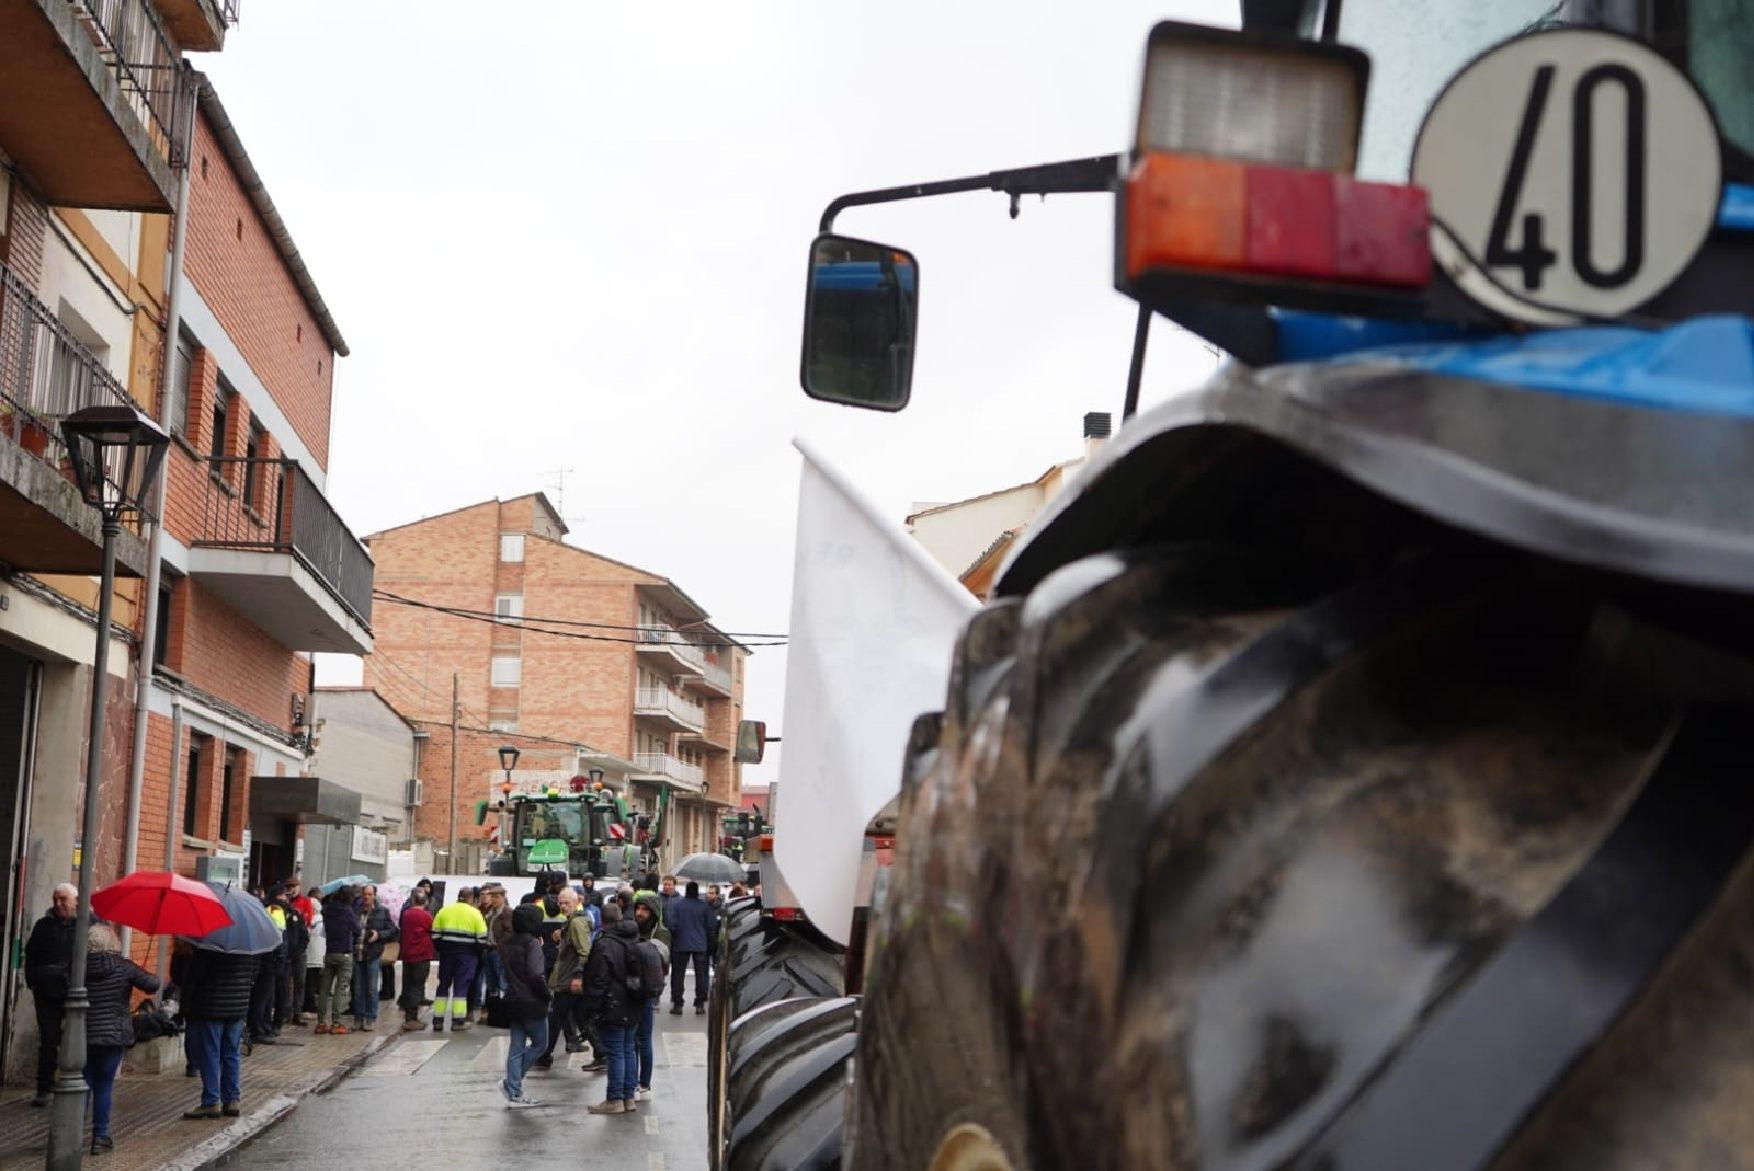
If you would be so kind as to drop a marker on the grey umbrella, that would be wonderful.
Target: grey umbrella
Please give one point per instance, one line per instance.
(251, 932)
(711, 868)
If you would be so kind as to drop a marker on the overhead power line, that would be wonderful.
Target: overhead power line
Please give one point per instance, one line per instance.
(533, 625)
(464, 611)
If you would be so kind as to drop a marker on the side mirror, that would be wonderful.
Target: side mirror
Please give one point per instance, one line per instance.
(751, 742)
(860, 309)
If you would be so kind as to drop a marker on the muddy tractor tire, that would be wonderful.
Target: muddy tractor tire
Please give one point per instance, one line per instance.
(1423, 855)
(761, 962)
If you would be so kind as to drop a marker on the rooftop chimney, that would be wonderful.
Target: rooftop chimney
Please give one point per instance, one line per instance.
(1096, 425)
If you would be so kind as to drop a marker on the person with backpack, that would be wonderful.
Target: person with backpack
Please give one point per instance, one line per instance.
(527, 999)
(654, 956)
(614, 992)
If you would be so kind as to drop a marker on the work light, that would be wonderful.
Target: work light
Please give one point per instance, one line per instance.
(1243, 162)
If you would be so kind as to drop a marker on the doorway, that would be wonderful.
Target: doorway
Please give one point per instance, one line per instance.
(20, 681)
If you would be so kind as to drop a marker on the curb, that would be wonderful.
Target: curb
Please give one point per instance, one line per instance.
(246, 1129)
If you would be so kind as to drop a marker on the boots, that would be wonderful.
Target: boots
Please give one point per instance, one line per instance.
(438, 1023)
(468, 1022)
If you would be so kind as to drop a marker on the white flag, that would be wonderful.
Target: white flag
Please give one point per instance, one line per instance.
(874, 622)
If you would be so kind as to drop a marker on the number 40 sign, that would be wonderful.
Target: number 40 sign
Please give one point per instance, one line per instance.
(1573, 174)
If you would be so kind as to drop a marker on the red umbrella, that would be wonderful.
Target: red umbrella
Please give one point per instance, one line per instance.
(161, 904)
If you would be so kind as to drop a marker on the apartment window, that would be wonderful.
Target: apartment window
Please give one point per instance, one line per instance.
(508, 670)
(228, 793)
(176, 407)
(161, 638)
(221, 417)
(192, 790)
(253, 453)
(511, 546)
(508, 605)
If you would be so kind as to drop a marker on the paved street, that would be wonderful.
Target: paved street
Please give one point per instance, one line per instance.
(432, 1102)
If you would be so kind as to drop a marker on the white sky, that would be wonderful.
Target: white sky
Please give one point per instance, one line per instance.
(574, 236)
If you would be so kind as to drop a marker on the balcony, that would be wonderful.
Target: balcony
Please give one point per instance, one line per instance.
(712, 679)
(94, 101)
(271, 547)
(665, 650)
(674, 712)
(199, 25)
(662, 767)
(45, 373)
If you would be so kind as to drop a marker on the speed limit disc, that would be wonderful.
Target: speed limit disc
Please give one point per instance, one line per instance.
(1573, 174)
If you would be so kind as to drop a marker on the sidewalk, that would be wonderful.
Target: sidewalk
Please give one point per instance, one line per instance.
(148, 1126)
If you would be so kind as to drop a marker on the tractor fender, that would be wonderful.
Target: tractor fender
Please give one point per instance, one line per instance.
(1650, 473)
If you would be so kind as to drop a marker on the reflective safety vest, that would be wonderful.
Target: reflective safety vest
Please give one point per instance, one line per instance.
(459, 923)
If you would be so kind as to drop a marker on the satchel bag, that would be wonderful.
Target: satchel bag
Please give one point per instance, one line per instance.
(496, 1010)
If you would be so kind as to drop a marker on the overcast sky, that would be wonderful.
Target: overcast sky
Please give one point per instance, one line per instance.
(574, 236)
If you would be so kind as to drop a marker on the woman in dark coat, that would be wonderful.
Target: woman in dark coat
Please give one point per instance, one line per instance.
(527, 998)
(110, 980)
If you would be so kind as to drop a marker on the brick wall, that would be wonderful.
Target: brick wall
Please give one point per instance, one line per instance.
(448, 560)
(227, 656)
(240, 274)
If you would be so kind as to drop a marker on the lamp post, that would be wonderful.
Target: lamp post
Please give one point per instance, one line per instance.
(115, 452)
(508, 760)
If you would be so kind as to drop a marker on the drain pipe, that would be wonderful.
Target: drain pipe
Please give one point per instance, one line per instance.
(149, 596)
(173, 823)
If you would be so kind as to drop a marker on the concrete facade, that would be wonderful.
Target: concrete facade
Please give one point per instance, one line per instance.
(640, 685)
(971, 537)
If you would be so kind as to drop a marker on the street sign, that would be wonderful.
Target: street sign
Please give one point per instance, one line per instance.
(1573, 174)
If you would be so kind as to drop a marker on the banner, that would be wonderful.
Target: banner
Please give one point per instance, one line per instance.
(874, 622)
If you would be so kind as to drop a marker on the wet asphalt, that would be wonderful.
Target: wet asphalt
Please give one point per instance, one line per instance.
(431, 1101)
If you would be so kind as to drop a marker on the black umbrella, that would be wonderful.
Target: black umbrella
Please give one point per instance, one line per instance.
(711, 868)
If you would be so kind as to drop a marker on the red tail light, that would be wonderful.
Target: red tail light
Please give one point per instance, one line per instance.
(1219, 215)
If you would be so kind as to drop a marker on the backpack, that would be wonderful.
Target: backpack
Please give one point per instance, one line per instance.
(645, 970)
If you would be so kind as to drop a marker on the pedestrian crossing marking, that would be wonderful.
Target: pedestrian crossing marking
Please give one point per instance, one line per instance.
(492, 1055)
(651, 1124)
(655, 1161)
(403, 1059)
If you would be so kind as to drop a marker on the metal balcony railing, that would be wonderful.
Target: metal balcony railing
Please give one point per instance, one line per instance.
(664, 765)
(272, 505)
(677, 645)
(659, 699)
(45, 373)
(131, 38)
(718, 676)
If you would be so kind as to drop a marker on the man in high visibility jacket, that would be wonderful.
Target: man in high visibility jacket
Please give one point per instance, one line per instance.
(459, 933)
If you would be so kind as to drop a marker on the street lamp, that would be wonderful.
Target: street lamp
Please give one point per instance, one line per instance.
(115, 453)
(507, 761)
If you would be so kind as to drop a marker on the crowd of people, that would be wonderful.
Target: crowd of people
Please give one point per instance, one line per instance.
(568, 964)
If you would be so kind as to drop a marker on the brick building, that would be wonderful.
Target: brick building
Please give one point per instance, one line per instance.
(258, 570)
(627, 674)
(103, 128)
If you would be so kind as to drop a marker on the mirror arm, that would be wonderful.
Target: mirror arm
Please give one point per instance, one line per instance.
(1071, 177)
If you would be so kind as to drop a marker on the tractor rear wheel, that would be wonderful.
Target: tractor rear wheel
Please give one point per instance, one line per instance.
(1218, 853)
